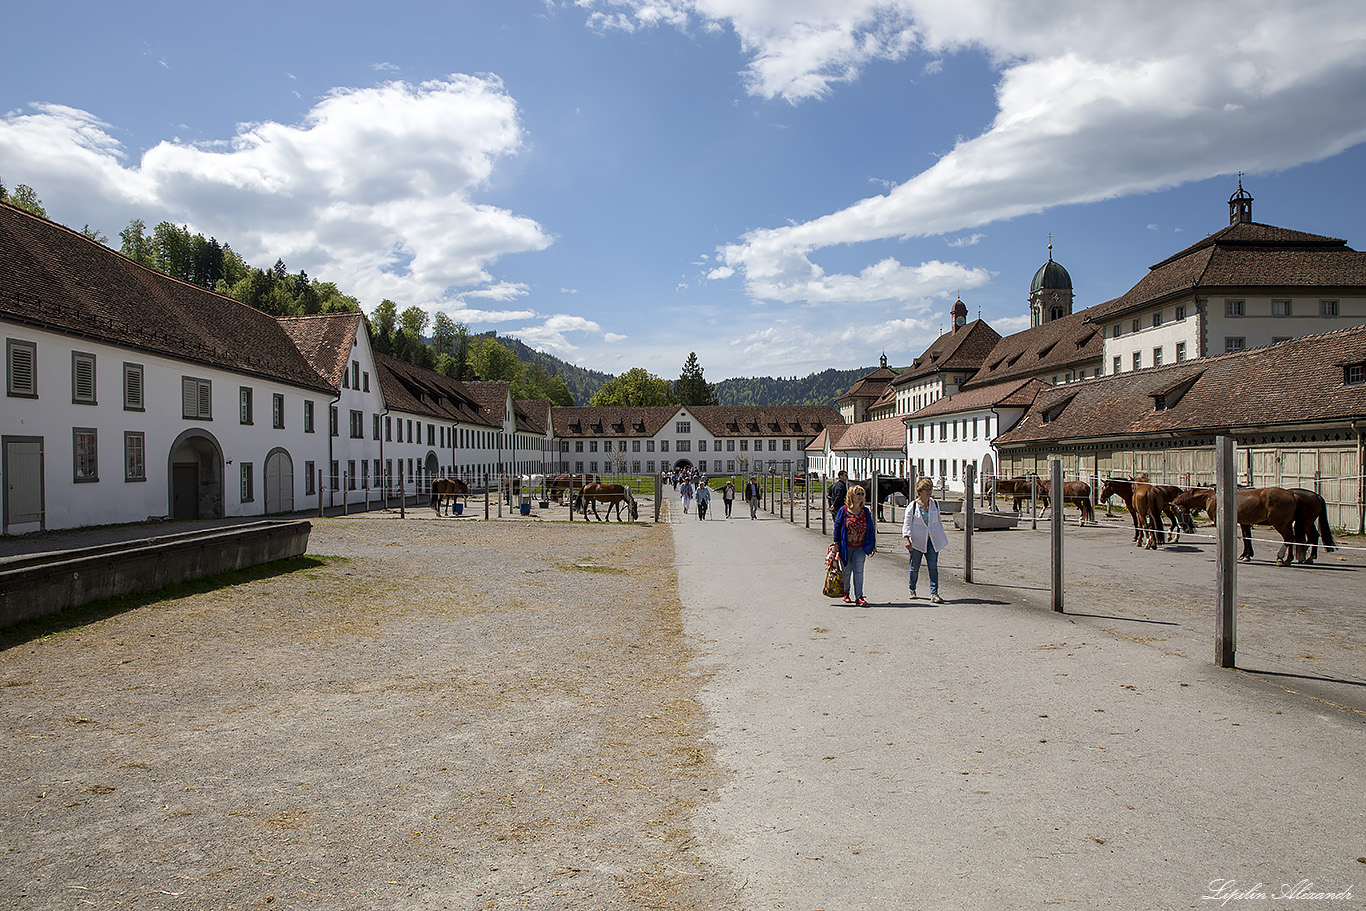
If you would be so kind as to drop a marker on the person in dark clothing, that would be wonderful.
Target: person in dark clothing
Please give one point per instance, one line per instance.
(839, 492)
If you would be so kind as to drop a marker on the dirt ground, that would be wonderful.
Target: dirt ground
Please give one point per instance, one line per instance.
(437, 715)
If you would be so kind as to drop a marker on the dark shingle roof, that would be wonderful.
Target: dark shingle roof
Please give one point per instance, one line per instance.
(54, 278)
(967, 349)
(1053, 346)
(1246, 255)
(1295, 382)
(1010, 394)
(416, 390)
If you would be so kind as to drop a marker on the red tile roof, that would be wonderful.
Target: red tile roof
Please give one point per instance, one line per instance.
(54, 278)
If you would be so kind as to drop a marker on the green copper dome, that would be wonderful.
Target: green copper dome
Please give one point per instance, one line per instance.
(1051, 277)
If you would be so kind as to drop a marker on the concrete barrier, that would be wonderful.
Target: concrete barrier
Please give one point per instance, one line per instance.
(36, 586)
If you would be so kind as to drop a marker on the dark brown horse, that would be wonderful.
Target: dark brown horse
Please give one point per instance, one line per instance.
(1272, 506)
(886, 486)
(562, 485)
(1074, 493)
(1016, 489)
(1311, 521)
(613, 495)
(445, 490)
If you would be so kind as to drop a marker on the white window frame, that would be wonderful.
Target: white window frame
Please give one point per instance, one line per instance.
(134, 455)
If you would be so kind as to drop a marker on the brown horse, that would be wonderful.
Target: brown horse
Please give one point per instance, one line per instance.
(561, 485)
(1272, 506)
(610, 494)
(445, 490)
(1017, 489)
(1074, 493)
(1146, 504)
(1311, 521)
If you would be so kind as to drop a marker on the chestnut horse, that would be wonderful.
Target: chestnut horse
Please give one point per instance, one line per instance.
(1272, 506)
(611, 494)
(1074, 493)
(1146, 503)
(1016, 489)
(445, 490)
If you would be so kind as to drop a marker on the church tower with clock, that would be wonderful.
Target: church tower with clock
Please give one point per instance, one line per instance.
(1050, 294)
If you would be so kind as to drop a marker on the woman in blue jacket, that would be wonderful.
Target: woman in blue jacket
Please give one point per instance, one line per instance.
(856, 535)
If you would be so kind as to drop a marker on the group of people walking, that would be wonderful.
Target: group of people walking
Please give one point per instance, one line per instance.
(695, 487)
(922, 533)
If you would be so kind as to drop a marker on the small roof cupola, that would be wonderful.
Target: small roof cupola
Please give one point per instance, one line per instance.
(959, 314)
(1240, 205)
(1050, 294)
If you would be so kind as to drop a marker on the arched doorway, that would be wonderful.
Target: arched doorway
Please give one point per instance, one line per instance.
(433, 466)
(279, 482)
(683, 463)
(195, 476)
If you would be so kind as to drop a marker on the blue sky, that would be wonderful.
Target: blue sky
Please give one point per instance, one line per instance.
(779, 185)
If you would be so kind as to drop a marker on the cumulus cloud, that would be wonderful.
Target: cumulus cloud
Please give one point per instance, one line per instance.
(1094, 102)
(375, 188)
(553, 332)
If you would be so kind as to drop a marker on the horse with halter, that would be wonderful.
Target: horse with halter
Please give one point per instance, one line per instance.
(1017, 489)
(1273, 506)
(610, 494)
(445, 490)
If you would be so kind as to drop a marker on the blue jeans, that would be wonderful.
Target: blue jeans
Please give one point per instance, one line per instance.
(853, 572)
(931, 557)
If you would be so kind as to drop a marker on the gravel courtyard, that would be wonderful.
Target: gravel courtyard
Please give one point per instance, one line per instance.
(433, 715)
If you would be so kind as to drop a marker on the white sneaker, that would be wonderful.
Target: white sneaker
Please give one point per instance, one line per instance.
(912, 594)
(936, 599)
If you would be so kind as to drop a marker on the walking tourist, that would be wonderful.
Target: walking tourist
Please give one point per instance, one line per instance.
(856, 535)
(923, 532)
(728, 496)
(752, 496)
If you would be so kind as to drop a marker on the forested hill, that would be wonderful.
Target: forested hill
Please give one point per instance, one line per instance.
(815, 389)
(582, 383)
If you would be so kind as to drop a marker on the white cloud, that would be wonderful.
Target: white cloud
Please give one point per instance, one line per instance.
(552, 333)
(376, 188)
(971, 240)
(1094, 102)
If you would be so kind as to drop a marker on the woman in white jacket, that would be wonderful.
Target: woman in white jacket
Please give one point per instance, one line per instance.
(923, 532)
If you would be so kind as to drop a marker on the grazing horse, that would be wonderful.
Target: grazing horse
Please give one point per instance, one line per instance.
(1273, 506)
(1074, 493)
(445, 490)
(610, 494)
(1017, 489)
(563, 484)
(1311, 521)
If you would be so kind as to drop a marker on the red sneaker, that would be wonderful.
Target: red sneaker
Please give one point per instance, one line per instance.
(848, 600)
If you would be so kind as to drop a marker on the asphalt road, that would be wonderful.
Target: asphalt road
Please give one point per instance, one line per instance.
(992, 753)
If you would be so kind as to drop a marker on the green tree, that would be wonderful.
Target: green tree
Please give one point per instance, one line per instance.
(636, 387)
(414, 321)
(691, 387)
(137, 246)
(444, 334)
(94, 234)
(25, 197)
(492, 362)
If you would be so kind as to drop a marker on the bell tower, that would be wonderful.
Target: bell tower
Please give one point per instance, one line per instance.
(959, 313)
(1240, 205)
(1050, 294)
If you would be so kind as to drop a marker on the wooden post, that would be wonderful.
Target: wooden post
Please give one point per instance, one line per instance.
(320, 493)
(969, 485)
(1226, 559)
(806, 495)
(825, 502)
(1033, 502)
(1056, 487)
(659, 493)
(346, 495)
(402, 498)
(486, 496)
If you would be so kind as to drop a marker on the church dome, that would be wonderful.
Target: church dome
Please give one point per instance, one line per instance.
(1051, 277)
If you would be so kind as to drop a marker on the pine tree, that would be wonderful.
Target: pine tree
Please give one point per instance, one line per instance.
(692, 388)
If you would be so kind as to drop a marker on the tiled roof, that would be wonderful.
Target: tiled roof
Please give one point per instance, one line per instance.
(416, 390)
(1055, 345)
(878, 436)
(1010, 394)
(1246, 255)
(54, 278)
(1295, 382)
(325, 340)
(718, 420)
(871, 385)
(964, 350)
(533, 415)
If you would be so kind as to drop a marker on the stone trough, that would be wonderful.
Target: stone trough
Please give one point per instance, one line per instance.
(34, 586)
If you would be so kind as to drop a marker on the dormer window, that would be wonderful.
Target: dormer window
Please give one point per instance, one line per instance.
(1354, 374)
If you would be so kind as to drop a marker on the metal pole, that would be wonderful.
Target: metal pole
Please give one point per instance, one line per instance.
(806, 495)
(659, 493)
(825, 501)
(1226, 564)
(1033, 502)
(1056, 473)
(969, 477)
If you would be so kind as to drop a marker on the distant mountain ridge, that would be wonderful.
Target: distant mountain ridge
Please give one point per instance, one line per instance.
(814, 389)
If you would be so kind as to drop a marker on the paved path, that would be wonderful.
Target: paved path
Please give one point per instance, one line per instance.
(992, 754)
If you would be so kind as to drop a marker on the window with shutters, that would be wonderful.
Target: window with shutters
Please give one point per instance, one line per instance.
(308, 416)
(195, 399)
(82, 378)
(277, 410)
(245, 397)
(132, 387)
(134, 456)
(85, 461)
(21, 359)
(310, 482)
(248, 490)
